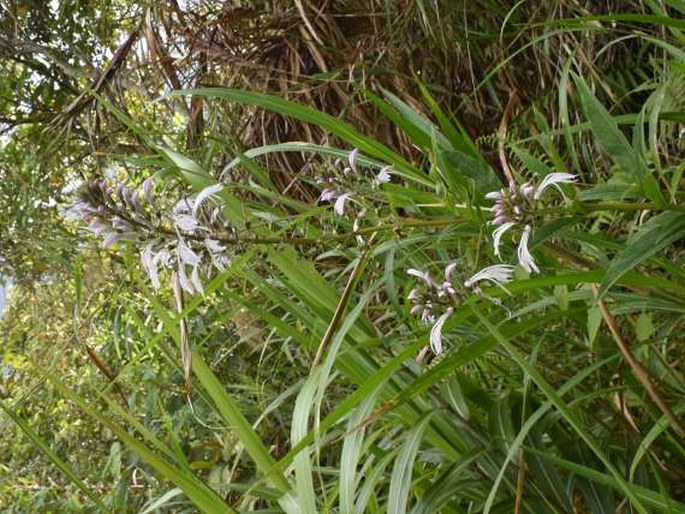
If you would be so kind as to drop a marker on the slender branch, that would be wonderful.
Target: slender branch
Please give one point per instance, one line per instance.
(342, 304)
(628, 206)
(639, 370)
(230, 238)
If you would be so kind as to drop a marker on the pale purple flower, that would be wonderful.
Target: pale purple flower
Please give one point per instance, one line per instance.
(183, 206)
(147, 257)
(185, 282)
(413, 295)
(122, 213)
(416, 310)
(526, 190)
(436, 331)
(111, 239)
(135, 201)
(147, 190)
(427, 315)
(163, 257)
(214, 246)
(220, 260)
(449, 270)
(120, 224)
(98, 227)
(217, 254)
(436, 301)
(339, 206)
(525, 258)
(350, 181)
(518, 205)
(122, 191)
(327, 195)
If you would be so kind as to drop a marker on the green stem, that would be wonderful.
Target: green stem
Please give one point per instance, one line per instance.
(628, 206)
(310, 241)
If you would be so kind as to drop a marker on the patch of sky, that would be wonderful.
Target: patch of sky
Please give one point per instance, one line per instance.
(3, 299)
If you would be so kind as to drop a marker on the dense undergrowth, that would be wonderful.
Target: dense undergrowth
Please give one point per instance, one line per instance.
(398, 257)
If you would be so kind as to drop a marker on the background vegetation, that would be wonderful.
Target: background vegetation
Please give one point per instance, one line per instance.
(313, 388)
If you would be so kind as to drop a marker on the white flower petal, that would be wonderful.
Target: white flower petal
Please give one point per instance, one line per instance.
(436, 332)
(352, 158)
(449, 271)
(186, 284)
(213, 246)
(195, 279)
(220, 261)
(163, 257)
(383, 176)
(186, 255)
(204, 194)
(339, 206)
(147, 257)
(525, 258)
(185, 222)
(425, 276)
(183, 206)
(498, 233)
(498, 274)
(553, 179)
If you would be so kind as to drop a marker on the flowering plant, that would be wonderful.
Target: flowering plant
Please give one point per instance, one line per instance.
(519, 206)
(182, 239)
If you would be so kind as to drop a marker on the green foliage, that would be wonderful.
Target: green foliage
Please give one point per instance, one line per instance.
(314, 387)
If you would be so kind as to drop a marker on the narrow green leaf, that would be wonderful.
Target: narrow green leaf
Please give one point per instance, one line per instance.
(606, 131)
(651, 498)
(565, 411)
(192, 171)
(352, 451)
(655, 235)
(196, 490)
(306, 114)
(243, 429)
(400, 480)
(594, 321)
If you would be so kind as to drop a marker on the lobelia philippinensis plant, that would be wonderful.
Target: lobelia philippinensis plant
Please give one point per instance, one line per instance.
(434, 301)
(346, 183)
(183, 239)
(520, 206)
(193, 237)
